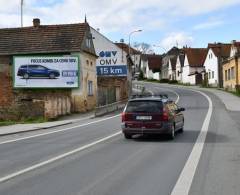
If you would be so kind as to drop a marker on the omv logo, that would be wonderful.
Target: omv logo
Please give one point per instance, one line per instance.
(107, 54)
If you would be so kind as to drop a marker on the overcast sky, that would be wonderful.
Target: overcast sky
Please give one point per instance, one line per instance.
(164, 22)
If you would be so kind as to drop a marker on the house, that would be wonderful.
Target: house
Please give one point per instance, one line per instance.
(69, 48)
(144, 64)
(133, 53)
(151, 66)
(193, 65)
(231, 68)
(113, 70)
(179, 66)
(172, 53)
(172, 68)
(217, 53)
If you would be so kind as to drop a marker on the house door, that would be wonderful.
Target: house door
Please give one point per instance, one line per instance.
(198, 79)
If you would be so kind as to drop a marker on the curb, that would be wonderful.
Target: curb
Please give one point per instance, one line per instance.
(37, 129)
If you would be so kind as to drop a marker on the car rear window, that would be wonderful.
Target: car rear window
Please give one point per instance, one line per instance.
(145, 106)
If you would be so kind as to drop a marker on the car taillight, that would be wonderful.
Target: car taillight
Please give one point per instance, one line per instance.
(123, 116)
(165, 116)
(126, 117)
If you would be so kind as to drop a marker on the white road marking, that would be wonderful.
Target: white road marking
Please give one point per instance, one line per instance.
(185, 179)
(150, 92)
(177, 100)
(57, 131)
(36, 166)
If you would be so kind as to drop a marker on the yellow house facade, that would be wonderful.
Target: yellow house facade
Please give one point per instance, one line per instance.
(231, 68)
(231, 73)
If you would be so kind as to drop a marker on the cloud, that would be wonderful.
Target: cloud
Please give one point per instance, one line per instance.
(108, 15)
(179, 38)
(211, 23)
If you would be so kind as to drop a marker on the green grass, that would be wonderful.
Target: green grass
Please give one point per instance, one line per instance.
(6, 123)
(237, 93)
(23, 121)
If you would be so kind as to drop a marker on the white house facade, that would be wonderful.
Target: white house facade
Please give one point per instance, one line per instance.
(178, 70)
(113, 72)
(149, 72)
(188, 72)
(211, 68)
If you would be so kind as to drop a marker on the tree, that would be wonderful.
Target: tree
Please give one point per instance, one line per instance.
(145, 48)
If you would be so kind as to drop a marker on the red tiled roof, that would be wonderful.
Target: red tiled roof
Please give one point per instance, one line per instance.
(173, 62)
(196, 56)
(154, 61)
(43, 39)
(220, 49)
(125, 48)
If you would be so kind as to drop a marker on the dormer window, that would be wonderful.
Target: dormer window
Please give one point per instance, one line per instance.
(88, 43)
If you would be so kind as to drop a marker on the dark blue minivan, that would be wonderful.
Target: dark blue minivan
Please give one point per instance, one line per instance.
(28, 71)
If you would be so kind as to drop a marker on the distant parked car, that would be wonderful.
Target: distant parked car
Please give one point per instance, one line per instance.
(28, 71)
(151, 115)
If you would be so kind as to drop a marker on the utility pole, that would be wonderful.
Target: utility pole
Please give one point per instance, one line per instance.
(21, 13)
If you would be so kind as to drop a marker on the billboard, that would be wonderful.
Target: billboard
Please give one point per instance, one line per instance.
(109, 63)
(46, 72)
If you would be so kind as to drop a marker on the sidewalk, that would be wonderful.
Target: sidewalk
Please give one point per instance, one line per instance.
(231, 101)
(65, 120)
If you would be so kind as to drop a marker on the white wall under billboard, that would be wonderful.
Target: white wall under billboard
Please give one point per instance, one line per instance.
(46, 72)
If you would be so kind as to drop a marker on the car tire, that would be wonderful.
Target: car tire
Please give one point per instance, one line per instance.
(182, 129)
(172, 133)
(52, 76)
(26, 76)
(127, 136)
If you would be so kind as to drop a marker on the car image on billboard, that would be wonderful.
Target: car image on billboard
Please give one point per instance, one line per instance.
(31, 71)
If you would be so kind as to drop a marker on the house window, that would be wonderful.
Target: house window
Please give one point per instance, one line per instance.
(90, 88)
(87, 62)
(91, 63)
(178, 73)
(88, 43)
(232, 73)
(212, 74)
(226, 75)
(209, 75)
(229, 76)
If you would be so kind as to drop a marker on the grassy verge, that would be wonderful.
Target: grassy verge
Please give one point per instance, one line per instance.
(23, 121)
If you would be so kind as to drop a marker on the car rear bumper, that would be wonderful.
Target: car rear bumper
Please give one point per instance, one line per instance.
(164, 129)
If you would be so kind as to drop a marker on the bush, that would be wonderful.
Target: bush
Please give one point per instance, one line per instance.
(173, 82)
(164, 81)
(141, 76)
(152, 80)
(238, 89)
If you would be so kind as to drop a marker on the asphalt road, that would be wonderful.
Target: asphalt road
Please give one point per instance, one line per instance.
(115, 166)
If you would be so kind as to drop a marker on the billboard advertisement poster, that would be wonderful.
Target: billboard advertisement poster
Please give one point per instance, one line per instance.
(46, 72)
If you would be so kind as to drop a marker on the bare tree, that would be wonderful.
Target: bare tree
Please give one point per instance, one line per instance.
(145, 48)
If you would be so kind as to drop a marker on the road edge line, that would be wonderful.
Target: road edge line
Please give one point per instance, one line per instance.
(184, 182)
(57, 131)
(59, 157)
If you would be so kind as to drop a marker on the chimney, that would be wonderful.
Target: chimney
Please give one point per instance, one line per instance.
(36, 22)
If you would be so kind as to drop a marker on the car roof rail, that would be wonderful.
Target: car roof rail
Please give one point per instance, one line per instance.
(162, 96)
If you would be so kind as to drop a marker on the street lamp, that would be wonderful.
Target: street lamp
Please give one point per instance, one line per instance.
(129, 39)
(129, 45)
(21, 13)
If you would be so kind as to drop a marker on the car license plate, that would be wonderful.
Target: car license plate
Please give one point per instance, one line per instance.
(143, 117)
